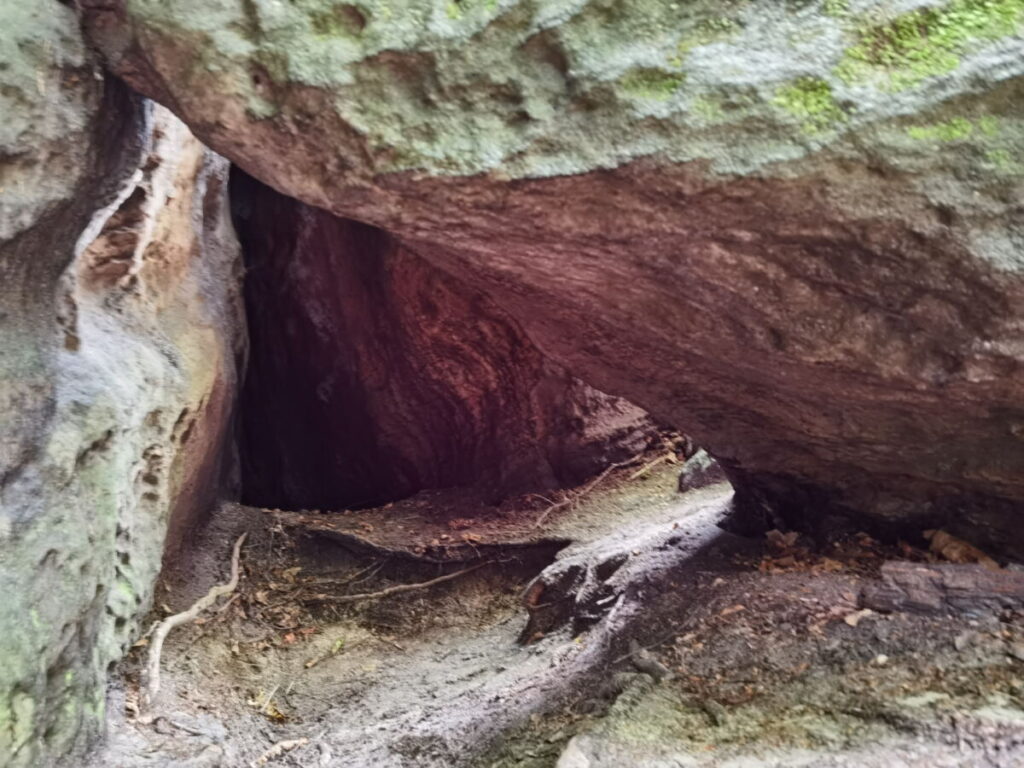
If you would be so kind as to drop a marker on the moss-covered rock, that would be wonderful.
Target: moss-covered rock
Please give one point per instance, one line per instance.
(116, 333)
(790, 228)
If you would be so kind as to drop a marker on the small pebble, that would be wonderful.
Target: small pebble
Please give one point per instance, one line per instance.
(964, 640)
(1016, 650)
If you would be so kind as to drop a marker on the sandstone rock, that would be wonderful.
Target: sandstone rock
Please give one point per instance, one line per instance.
(118, 327)
(791, 229)
(372, 375)
(946, 588)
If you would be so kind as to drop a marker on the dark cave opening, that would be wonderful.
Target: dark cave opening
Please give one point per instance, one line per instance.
(373, 374)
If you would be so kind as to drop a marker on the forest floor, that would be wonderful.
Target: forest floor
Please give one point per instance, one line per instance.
(621, 628)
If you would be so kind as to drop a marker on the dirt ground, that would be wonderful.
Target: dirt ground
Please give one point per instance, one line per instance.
(705, 648)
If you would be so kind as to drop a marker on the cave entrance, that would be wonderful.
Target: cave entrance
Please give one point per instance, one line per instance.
(373, 375)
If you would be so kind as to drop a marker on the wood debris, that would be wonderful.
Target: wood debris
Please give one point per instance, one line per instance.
(277, 750)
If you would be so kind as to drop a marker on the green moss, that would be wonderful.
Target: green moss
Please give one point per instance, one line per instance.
(927, 41)
(1001, 159)
(651, 84)
(989, 137)
(955, 129)
(811, 100)
(836, 8)
(988, 125)
(952, 130)
(708, 108)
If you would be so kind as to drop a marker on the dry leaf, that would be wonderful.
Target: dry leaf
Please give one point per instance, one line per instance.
(853, 619)
(733, 609)
(781, 540)
(289, 574)
(957, 550)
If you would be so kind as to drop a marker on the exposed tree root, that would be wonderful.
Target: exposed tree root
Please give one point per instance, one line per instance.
(164, 628)
(397, 589)
(583, 586)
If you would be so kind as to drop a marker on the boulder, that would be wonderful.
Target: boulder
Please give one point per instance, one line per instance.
(119, 328)
(791, 229)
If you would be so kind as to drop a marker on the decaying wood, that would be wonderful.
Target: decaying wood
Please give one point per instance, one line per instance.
(164, 628)
(928, 588)
(397, 589)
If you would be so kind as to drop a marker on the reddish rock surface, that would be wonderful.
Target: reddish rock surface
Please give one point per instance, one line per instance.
(372, 374)
(834, 311)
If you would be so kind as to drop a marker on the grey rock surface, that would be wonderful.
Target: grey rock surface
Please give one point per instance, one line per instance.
(118, 333)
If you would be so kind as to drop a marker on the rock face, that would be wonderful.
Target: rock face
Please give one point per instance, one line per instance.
(791, 229)
(118, 332)
(372, 374)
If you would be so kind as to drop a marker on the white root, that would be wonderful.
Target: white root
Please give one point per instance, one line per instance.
(164, 628)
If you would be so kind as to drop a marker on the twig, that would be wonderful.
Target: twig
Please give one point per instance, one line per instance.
(572, 497)
(651, 465)
(392, 590)
(349, 579)
(336, 647)
(227, 604)
(268, 700)
(277, 750)
(389, 641)
(164, 628)
(353, 581)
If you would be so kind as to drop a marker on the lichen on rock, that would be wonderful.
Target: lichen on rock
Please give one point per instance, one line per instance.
(118, 332)
(740, 207)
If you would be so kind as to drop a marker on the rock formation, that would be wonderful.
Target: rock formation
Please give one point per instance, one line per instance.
(792, 229)
(372, 375)
(119, 328)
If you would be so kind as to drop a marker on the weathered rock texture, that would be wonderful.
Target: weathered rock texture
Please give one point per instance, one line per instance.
(372, 374)
(791, 228)
(118, 326)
